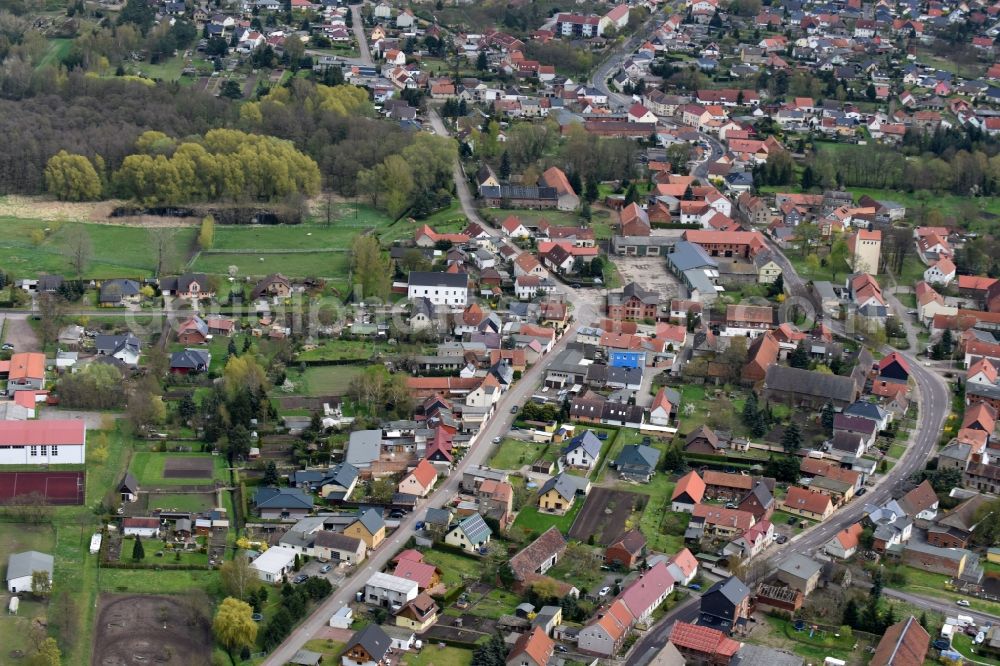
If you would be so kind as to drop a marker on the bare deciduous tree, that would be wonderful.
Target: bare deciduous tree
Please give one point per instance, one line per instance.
(78, 249)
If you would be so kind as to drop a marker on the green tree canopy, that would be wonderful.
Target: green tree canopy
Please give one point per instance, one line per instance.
(72, 177)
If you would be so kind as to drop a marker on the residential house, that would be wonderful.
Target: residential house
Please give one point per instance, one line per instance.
(664, 408)
(807, 503)
(703, 440)
(797, 386)
(726, 486)
(583, 451)
(420, 480)
(192, 331)
(125, 347)
(845, 543)
(147, 528)
(282, 503)
(688, 493)
(605, 634)
(445, 289)
(193, 286)
(330, 545)
(472, 534)
(725, 606)
(703, 645)
(26, 372)
(389, 591)
(369, 527)
(718, 521)
(646, 593)
(559, 492)
(190, 361)
(799, 573)
(418, 614)
(637, 462)
(274, 285)
(555, 178)
(633, 303)
(533, 648)
(120, 292)
(752, 542)
(368, 647)
(274, 564)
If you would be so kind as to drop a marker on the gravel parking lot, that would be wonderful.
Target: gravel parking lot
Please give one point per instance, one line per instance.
(650, 273)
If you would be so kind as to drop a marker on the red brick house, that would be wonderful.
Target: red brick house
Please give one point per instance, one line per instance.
(626, 551)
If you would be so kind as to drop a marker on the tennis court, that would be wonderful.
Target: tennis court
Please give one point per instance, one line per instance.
(62, 488)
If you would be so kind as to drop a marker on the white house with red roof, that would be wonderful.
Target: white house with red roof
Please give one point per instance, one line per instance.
(683, 566)
(514, 228)
(420, 480)
(616, 18)
(645, 594)
(940, 272)
(637, 113)
(58, 442)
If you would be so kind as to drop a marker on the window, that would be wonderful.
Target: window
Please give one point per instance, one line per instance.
(34, 451)
(43, 449)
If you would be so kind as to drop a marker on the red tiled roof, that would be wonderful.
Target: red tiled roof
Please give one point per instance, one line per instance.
(62, 432)
(703, 639)
(717, 515)
(419, 572)
(424, 473)
(536, 644)
(27, 365)
(691, 484)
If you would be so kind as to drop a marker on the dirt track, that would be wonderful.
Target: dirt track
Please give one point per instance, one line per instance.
(139, 630)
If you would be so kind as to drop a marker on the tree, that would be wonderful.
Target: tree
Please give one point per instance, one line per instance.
(51, 311)
(41, 585)
(238, 442)
(243, 375)
(877, 583)
(808, 178)
(370, 268)
(138, 552)
(673, 459)
(591, 192)
(826, 418)
(72, 177)
(46, 654)
(161, 239)
(139, 13)
(504, 172)
(850, 616)
(799, 358)
(78, 249)
(233, 625)
(791, 440)
(206, 235)
(750, 410)
(270, 474)
(186, 409)
(482, 62)
(239, 580)
(839, 254)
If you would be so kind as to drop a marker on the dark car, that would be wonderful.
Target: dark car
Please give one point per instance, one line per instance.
(780, 539)
(602, 436)
(861, 492)
(397, 513)
(562, 648)
(791, 520)
(301, 578)
(513, 410)
(941, 644)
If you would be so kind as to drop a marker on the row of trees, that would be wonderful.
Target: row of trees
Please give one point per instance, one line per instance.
(224, 164)
(419, 177)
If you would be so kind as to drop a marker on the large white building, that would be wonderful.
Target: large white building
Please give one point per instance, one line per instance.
(449, 289)
(56, 442)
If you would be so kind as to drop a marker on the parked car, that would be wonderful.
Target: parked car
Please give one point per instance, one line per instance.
(963, 603)
(603, 591)
(513, 410)
(8, 347)
(397, 513)
(780, 539)
(561, 648)
(694, 586)
(791, 520)
(941, 644)
(861, 492)
(325, 568)
(602, 436)
(301, 578)
(730, 505)
(497, 440)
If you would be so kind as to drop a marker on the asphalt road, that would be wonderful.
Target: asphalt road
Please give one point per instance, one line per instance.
(944, 607)
(359, 34)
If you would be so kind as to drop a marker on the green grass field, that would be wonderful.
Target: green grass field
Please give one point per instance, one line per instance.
(896, 451)
(143, 581)
(435, 655)
(291, 264)
(151, 547)
(342, 350)
(494, 604)
(191, 502)
(531, 519)
(324, 380)
(454, 567)
(117, 251)
(147, 467)
(514, 453)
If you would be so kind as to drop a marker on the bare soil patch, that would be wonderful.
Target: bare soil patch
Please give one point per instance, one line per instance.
(187, 468)
(138, 630)
(603, 515)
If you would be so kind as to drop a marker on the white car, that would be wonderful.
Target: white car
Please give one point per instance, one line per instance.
(962, 602)
(497, 440)
(604, 591)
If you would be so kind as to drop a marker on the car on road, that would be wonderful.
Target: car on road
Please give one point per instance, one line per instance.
(497, 440)
(859, 338)
(913, 313)
(7, 347)
(780, 539)
(861, 492)
(513, 410)
(962, 602)
(301, 578)
(604, 591)
(326, 568)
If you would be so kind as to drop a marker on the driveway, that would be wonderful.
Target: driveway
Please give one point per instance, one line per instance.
(18, 332)
(92, 419)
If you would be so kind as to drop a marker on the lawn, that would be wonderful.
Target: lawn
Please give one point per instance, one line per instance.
(514, 453)
(896, 451)
(151, 547)
(324, 264)
(530, 518)
(147, 467)
(781, 518)
(144, 581)
(15, 630)
(327, 648)
(192, 502)
(436, 655)
(324, 380)
(118, 251)
(313, 236)
(494, 604)
(455, 567)
(963, 644)
(17, 537)
(581, 577)
(928, 584)
(816, 648)
(341, 350)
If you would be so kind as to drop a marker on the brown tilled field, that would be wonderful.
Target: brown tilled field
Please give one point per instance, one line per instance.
(139, 629)
(603, 515)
